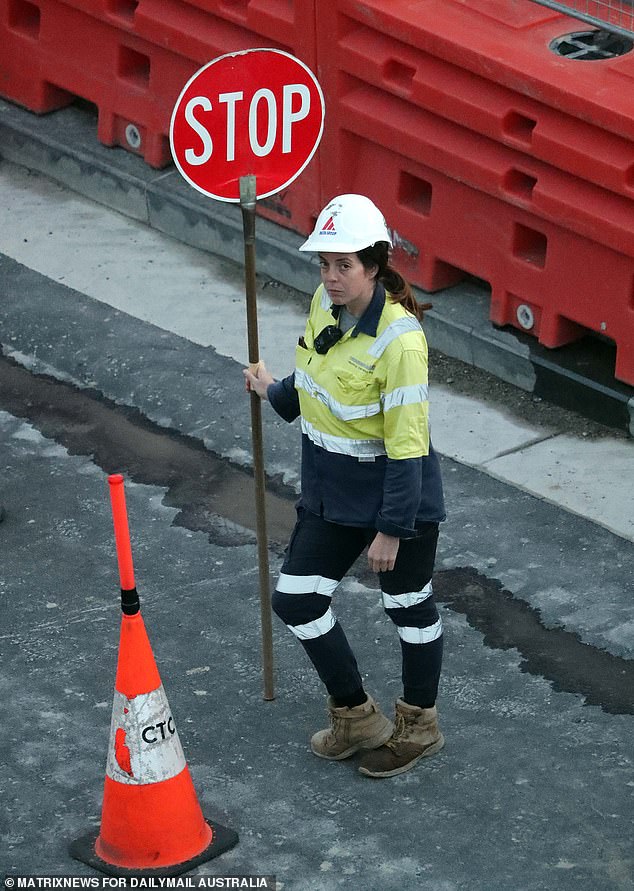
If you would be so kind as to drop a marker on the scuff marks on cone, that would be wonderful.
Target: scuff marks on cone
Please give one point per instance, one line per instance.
(144, 743)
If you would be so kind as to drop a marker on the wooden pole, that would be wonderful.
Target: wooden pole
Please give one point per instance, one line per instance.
(247, 205)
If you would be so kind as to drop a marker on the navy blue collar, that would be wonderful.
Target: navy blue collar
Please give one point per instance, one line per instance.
(369, 321)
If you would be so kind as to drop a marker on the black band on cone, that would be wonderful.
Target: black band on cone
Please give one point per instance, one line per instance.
(130, 602)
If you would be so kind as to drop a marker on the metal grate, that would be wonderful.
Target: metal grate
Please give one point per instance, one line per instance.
(616, 16)
(592, 46)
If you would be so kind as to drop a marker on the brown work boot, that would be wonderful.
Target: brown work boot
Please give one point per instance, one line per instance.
(360, 727)
(416, 735)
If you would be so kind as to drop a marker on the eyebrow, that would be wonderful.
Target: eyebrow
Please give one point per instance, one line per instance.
(344, 258)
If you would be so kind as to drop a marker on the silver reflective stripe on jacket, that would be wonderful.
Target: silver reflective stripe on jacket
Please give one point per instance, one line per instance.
(405, 396)
(394, 330)
(344, 412)
(357, 448)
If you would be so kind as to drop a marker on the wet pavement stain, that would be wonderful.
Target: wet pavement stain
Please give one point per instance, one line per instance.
(212, 495)
(555, 654)
(215, 497)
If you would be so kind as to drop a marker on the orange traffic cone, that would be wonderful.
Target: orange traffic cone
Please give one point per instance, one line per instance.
(151, 821)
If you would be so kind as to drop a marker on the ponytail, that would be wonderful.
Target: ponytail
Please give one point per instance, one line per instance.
(400, 290)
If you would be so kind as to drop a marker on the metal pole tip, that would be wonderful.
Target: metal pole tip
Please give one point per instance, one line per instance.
(247, 191)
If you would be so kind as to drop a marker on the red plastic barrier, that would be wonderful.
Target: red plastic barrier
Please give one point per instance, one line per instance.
(119, 13)
(614, 12)
(408, 129)
(405, 73)
(444, 229)
(132, 58)
(496, 169)
(133, 83)
(487, 152)
(204, 30)
(504, 41)
(21, 77)
(285, 24)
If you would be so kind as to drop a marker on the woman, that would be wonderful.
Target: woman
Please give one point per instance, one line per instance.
(369, 478)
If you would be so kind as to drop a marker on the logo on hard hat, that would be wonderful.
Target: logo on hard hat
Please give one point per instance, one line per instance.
(329, 227)
(348, 223)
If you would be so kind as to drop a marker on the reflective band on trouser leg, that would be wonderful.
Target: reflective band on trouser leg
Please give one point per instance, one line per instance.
(306, 611)
(334, 662)
(303, 603)
(316, 628)
(420, 631)
(319, 554)
(410, 598)
(306, 584)
(421, 635)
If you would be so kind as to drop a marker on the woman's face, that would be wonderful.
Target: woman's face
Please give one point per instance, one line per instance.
(347, 281)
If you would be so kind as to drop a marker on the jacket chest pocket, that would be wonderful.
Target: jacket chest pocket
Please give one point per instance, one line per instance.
(303, 357)
(353, 381)
(358, 388)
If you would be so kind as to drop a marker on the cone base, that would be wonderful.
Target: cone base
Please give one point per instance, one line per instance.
(83, 849)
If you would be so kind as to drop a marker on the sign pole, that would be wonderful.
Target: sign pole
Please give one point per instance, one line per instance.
(247, 206)
(257, 110)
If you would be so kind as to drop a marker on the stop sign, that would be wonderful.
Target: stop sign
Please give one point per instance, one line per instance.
(258, 112)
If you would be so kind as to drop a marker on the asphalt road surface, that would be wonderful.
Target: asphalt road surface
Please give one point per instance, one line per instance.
(534, 789)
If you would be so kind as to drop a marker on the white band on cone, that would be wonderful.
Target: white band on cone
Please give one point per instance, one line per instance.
(144, 744)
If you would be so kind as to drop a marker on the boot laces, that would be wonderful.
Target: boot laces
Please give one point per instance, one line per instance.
(403, 727)
(336, 722)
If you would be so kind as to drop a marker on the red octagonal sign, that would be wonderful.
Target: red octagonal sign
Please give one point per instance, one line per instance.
(259, 112)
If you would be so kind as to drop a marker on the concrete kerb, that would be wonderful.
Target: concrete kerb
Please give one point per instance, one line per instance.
(64, 147)
(159, 198)
(43, 143)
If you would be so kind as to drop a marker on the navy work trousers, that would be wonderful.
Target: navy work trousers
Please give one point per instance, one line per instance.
(318, 556)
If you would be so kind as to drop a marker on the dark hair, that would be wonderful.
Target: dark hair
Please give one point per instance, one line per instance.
(378, 254)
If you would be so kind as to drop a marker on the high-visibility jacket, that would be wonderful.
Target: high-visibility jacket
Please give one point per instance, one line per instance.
(367, 458)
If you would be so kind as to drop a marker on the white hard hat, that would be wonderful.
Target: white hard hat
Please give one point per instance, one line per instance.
(347, 223)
